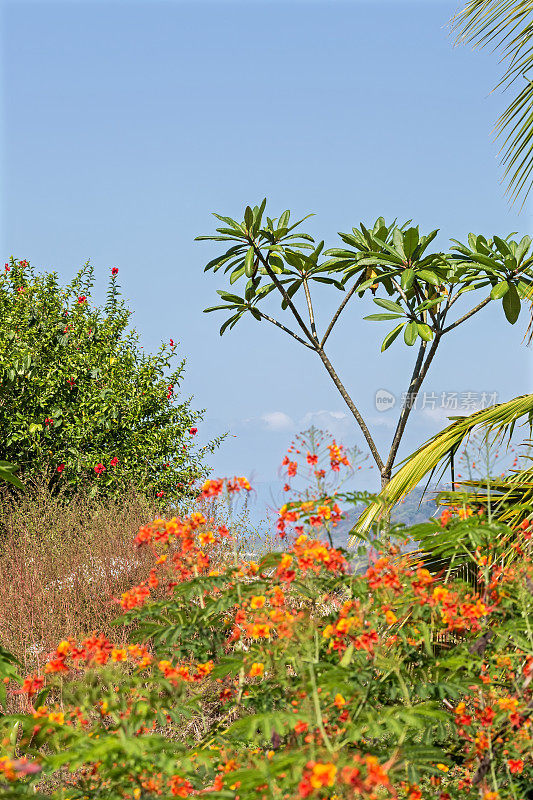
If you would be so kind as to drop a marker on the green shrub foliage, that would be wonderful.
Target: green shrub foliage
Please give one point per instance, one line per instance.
(79, 397)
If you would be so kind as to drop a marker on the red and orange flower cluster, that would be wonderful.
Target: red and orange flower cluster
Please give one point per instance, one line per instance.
(317, 513)
(363, 779)
(215, 486)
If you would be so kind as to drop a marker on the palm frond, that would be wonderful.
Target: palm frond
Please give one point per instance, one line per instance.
(510, 496)
(498, 420)
(507, 25)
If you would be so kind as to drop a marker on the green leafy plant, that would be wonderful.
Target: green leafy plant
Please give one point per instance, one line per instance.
(79, 397)
(290, 678)
(7, 474)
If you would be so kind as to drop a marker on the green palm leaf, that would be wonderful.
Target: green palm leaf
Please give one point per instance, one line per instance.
(507, 25)
(498, 420)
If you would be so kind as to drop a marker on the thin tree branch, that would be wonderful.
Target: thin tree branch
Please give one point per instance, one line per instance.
(467, 315)
(337, 314)
(283, 328)
(419, 373)
(515, 273)
(399, 290)
(277, 283)
(351, 405)
(310, 309)
(325, 360)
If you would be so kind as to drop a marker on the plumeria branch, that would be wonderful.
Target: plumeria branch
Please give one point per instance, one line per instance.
(310, 308)
(337, 314)
(279, 286)
(283, 328)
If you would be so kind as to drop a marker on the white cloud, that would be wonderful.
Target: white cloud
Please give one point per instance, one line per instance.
(442, 415)
(277, 421)
(339, 423)
(322, 418)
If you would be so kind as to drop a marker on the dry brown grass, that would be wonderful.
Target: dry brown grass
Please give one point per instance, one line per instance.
(62, 566)
(64, 562)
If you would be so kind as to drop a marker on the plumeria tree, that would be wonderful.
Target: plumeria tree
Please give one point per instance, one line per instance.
(79, 398)
(425, 294)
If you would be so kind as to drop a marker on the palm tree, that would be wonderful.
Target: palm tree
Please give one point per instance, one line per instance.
(499, 420)
(507, 25)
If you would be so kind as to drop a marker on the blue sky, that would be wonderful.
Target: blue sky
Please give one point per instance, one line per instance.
(126, 124)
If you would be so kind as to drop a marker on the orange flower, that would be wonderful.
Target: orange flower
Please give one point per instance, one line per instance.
(339, 701)
(179, 787)
(58, 717)
(260, 630)
(257, 669)
(56, 665)
(278, 598)
(118, 655)
(323, 775)
(134, 597)
(508, 703)
(258, 601)
(31, 685)
(211, 488)
(440, 593)
(63, 648)
(206, 537)
(286, 561)
(205, 669)
(445, 517)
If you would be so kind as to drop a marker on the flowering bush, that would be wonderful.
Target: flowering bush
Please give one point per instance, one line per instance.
(290, 677)
(80, 398)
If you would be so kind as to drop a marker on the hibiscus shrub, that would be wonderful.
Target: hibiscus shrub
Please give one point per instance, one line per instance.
(80, 399)
(292, 677)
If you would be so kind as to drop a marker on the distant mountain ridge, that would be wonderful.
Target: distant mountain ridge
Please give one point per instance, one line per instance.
(418, 506)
